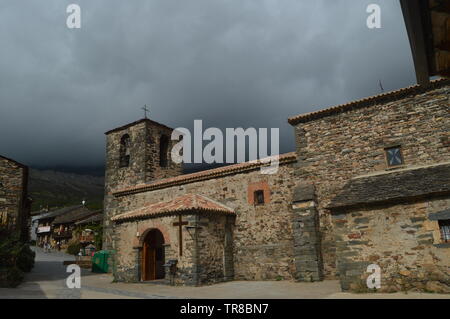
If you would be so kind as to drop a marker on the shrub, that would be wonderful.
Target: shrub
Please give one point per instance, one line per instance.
(73, 248)
(25, 259)
(9, 247)
(15, 258)
(14, 277)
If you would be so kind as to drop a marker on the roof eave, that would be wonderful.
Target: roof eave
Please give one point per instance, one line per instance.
(123, 127)
(187, 211)
(369, 101)
(340, 208)
(202, 176)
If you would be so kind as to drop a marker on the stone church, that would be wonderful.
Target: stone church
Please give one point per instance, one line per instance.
(368, 183)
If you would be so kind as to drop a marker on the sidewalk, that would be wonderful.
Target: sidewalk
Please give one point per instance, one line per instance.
(48, 280)
(329, 289)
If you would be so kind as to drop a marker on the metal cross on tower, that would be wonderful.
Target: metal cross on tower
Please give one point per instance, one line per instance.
(145, 110)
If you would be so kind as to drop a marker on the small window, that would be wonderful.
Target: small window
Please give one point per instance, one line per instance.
(124, 160)
(444, 226)
(163, 150)
(394, 156)
(259, 197)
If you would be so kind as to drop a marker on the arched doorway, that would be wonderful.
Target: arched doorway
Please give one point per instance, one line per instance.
(153, 256)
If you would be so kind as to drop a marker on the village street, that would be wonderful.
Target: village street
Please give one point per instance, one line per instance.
(48, 280)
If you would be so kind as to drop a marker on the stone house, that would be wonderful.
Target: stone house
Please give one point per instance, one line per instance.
(64, 225)
(56, 225)
(380, 167)
(15, 204)
(368, 183)
(88, 235)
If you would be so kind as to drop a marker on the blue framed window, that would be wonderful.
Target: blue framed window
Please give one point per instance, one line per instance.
(394, 156)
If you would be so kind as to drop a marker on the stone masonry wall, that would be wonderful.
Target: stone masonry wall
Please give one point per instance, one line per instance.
(306, 234)
(262, 241)
(203, 256)
(128, 245)
(335, 148)
(12, 192)
(144, 164)
(211, 248)
(400, 239)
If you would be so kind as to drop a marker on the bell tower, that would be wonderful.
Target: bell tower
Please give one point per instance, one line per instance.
(136, 153)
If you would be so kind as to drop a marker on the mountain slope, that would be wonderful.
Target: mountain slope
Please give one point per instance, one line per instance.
(57, 189)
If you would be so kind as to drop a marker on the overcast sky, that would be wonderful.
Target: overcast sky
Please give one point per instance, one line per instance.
(231, 63)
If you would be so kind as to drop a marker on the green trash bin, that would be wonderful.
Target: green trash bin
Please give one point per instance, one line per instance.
(100, 261)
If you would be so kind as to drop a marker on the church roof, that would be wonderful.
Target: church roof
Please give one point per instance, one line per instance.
(183, 204)
(433, 180)
(203, 175)
(120, 128)
(368, 101)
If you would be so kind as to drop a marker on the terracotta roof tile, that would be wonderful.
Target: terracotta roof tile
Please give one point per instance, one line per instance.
(203, 175)
(368, 101)
(182, 204)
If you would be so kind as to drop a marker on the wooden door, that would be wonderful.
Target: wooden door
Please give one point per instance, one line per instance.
(151, 263)
(148, 263)
(153, 256)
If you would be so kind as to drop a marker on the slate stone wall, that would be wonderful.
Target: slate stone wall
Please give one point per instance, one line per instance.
(14, 211)
(203, 257)
(256, 245)
(401, 239)
(128, 242)
(144, 164)
(211, 253)
(306, 235)
(333, 149)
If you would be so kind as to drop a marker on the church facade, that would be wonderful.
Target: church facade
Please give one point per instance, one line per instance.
(368, 183)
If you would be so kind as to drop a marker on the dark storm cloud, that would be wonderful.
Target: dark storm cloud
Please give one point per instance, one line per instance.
(232, 63)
